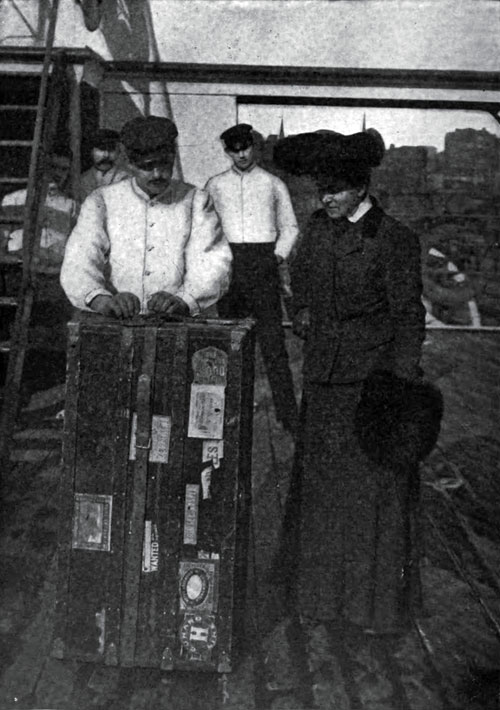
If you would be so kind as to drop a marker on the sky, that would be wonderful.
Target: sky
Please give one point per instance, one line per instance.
(397, 126)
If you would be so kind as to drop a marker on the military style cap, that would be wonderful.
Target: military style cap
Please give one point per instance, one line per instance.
(145, 137)
(105, 139)
(238, 137)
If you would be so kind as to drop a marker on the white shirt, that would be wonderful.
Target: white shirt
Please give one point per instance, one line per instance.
(127, 241)
(254, 207)
(59, 216)
(360, 211)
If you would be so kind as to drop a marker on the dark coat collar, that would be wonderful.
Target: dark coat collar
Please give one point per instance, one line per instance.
(358, 232)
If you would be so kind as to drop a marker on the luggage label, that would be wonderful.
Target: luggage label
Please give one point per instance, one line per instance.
(92, 522)
(198, 585)
(161, 427)
(206, 406)
(198, 636)
(191, 514)
(151, 547)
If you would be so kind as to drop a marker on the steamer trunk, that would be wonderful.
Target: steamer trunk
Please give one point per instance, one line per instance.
(155, 493)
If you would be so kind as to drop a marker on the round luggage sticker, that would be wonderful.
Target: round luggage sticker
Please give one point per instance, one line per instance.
(194, 587)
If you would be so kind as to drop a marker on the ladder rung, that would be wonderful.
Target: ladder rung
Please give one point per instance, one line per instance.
(13, 180)
(8, 301)
(17, 107)
(9, 262)
(17, 144)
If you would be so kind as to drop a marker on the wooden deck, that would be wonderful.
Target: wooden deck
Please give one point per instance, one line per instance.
(451, 660)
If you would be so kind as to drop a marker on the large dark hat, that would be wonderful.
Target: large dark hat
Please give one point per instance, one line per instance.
(105, 139)
(238, 137)
(327, 155)
(397, 421)
(144, 137)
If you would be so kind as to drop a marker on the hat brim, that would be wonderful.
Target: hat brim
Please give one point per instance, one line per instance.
(237, 145)
(162, 153)
(106, 145)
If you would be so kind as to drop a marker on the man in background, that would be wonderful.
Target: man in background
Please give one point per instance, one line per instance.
(58, 215)
(51, 310)
(105, 151)
(258, 220)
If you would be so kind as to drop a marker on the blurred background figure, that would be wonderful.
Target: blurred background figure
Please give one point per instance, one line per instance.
(51, 310)
(448, 292)
(59, 213)
(105, 170)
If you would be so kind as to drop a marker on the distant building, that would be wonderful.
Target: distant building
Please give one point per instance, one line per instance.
(404, 170)
(471, 159)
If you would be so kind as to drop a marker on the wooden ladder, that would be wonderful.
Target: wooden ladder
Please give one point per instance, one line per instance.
(47, 113)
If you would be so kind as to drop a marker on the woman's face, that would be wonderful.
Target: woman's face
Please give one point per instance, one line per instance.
(342, 204)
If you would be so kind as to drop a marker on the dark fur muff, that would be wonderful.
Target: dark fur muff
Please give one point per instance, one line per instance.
(397, 422)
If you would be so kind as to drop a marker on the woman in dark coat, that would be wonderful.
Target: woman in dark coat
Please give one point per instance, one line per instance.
(356, 285)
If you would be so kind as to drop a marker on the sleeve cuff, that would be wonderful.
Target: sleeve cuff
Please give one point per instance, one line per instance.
(279, 252)
(283, 250)
(192, 303)
(92, 294)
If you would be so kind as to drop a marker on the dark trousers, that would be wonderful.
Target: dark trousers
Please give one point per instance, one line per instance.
(255, 291)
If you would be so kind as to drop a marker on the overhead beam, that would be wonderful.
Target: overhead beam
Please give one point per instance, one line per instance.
(311, 76)
(298, 75)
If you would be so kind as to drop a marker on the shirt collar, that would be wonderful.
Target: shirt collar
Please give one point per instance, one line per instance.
(363, 207)
(165, 196)
(244, 172)
(100, 174)
(53, 190)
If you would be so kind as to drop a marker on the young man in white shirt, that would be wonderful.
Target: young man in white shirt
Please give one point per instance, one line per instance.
(259, 222)
(105, 146)
(148, 243)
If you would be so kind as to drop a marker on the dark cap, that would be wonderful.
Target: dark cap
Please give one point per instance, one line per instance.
(105, 139)
(144, 137)
(238, 137)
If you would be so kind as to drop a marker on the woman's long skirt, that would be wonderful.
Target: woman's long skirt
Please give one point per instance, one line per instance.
(355, 558)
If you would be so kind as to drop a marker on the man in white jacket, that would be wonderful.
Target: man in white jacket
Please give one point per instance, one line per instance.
(147, 244)
(258, 220)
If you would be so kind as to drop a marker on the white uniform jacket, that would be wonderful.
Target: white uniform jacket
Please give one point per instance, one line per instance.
(126, 241)
(254, 207)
